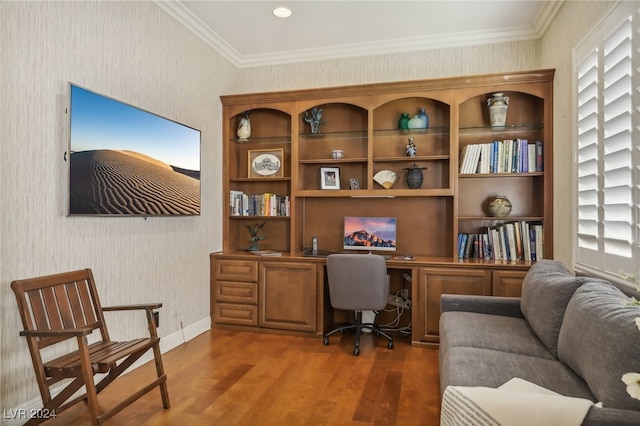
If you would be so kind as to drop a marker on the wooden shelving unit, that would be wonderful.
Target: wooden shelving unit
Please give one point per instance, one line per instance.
(363, 122)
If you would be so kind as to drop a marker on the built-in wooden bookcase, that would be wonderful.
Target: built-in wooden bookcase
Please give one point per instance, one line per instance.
(363, 122)
(270, 132)
(248, 291)
(529, 119)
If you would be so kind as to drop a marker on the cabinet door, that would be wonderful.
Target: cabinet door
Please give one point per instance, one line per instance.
(288, 296)
(435, 282)
(508, 283)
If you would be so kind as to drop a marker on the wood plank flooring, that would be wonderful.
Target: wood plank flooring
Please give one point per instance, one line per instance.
(238, 378)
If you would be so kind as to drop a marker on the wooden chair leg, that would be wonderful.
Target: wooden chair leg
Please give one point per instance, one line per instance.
(87, 373)
(164, 392)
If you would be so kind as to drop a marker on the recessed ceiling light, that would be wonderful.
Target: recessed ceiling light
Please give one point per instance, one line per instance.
(282, 12)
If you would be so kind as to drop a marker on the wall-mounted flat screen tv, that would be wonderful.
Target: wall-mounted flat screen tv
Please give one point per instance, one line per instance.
(370, 233)
(126, 161)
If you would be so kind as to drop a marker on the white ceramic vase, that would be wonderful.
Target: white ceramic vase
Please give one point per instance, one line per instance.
(244, 127)
(498, 105)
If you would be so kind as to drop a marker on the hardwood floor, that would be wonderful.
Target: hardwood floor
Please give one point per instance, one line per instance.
(238, 378)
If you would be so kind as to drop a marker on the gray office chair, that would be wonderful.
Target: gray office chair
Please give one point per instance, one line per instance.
(358, 282)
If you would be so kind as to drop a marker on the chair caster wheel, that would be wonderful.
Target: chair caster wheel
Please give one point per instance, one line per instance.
(390, 345)
(325, 341)
(356, 351)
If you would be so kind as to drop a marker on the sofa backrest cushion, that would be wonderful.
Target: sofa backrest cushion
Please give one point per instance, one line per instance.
(546, 291)
(600, 341)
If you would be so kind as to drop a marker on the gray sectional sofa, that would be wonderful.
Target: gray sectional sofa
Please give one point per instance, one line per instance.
(572, 335)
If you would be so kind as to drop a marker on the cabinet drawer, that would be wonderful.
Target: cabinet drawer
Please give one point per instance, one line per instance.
(236, 314)
(236, 270)
(236, 292)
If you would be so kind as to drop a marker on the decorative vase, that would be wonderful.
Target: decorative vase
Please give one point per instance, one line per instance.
(415, 122)
(403, 123)
(419, 121)
(244, 127)
(414, 176)
(425, 118)
(498, 104)
(411, 149)
(500, 206)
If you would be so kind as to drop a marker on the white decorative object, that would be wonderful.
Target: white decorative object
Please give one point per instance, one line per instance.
(244, 127)
(411, 150)
(498, 105)
(337, 154)
(386, 178)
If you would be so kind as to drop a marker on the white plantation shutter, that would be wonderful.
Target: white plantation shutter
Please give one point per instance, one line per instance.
(588, 164)
(607, 144)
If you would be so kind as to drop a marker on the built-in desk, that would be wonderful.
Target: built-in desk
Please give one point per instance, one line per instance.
(288, 294)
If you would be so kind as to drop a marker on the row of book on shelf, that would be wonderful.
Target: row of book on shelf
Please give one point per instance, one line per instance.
(267, 204)
(507, 156)
(517, 240)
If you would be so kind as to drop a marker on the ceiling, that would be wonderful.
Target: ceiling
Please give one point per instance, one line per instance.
(248, 34)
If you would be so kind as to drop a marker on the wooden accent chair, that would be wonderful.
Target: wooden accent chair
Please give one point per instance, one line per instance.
(65, 306)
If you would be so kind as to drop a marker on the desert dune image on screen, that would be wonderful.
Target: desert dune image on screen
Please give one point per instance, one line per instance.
(126, 161)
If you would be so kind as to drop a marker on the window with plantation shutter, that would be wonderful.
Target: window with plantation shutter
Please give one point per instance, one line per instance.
(607, 144)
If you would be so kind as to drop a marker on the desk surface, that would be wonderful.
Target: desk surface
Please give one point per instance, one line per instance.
(396, 261)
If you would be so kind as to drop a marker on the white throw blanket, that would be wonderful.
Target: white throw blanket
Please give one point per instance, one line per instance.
(515, 403)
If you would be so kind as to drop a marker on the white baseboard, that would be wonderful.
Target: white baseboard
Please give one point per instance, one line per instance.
(18, 416)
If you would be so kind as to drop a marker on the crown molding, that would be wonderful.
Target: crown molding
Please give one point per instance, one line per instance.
(194, 24)
(546, 15)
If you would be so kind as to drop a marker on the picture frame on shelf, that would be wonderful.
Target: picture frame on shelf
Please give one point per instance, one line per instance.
(330, 177)
(354, 184)
(265, 163)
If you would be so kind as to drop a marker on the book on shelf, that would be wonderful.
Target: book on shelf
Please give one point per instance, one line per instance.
(514, 240)
(267, 204)
(506, 156)
(266, 252)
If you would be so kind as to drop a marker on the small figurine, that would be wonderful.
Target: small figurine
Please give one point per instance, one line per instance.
(411, 149)
(315, 120)
(255, 238)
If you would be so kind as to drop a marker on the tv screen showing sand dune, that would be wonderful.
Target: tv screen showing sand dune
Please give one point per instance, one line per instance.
(127, 161)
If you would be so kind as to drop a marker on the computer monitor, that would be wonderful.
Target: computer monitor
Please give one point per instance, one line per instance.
(369, 233)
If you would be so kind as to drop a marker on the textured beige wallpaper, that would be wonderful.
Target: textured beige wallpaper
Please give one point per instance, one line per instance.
(433, 63)
(134, 52)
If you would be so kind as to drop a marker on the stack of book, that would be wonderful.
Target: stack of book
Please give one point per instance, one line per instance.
(267, 204)
(517, 240)
(507, 156)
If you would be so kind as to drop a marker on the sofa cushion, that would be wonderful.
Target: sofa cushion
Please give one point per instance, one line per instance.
(490, 332)
(466, 366)
(600, 341)
(546, 291)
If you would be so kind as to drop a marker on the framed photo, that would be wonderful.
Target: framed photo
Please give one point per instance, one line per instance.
(330, 177)
(354, 184)
(265, 163)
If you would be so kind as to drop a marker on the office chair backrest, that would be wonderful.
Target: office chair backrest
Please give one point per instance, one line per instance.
(357, 281)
